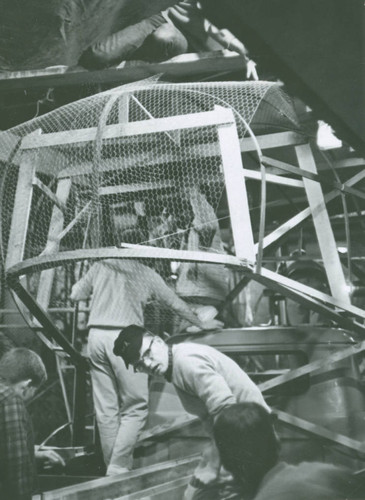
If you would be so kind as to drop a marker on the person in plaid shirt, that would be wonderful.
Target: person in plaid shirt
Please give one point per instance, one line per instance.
(21, 373)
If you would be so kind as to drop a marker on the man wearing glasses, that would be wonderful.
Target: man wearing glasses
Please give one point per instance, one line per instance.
(205, 380)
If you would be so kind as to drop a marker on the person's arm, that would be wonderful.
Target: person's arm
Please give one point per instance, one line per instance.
(82, 289)
(204, 215)
(121, 45)
(16, 460)
(164, 294)
(48, 457)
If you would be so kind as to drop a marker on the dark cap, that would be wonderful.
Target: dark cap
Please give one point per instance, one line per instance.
(128, 344)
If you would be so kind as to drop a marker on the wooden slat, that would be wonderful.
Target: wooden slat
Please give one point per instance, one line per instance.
(325, 237)
(304, 214)
(45, 189)
(181, 122)
(22, 205)
(83, 212)
(321, 432)
(204, 150)
(128, 251)
(321, 178)
(206, 63)
(312, 367)
(164, 491)
(236, 190)
(346, 163)
(52, 245)
(127, 483)
(273, 179)
(312, 292)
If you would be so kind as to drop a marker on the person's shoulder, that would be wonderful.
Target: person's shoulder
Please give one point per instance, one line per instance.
(193, 350)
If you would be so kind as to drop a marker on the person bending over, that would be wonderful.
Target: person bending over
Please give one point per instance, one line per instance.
(205, 380)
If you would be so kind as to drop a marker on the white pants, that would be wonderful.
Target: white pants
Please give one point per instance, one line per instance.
(120, 400)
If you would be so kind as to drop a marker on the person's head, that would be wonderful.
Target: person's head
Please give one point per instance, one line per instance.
(24, 370)
(140, 348)
(247, 443)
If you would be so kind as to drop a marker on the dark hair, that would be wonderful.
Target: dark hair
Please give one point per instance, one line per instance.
(22, 364)
(247, 443)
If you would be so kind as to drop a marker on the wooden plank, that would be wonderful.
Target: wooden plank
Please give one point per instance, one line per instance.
(312, 292)
(236, 190)
(325, 237)
(22, 205)
(321, 178)
(321, 432)
(346, 163)
(85, 210)
(127, 483)
(304, 214)
(273, 179)
(311, 303)
(45, 189)
(52, 245)
(312, 367)
(57, 219)
(128, 251)
(151, 126)
(204, 150)
(192, 64)
(164, 491)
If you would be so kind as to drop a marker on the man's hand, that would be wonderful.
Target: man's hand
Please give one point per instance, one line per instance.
(212, 324)
(49, 458)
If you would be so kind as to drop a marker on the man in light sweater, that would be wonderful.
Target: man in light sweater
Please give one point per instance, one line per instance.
(120, 291)
(205, 380)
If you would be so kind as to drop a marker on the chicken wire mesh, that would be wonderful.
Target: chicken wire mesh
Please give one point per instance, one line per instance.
(96, 184)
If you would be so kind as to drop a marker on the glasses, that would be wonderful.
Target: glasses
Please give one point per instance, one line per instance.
(140, 364)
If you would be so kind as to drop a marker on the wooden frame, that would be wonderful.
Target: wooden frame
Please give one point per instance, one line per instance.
(230, 148)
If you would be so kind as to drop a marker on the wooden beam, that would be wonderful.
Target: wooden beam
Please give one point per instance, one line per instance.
(52, 245)
(312, 292)
(346, 163)
(131, 129)
(57, 238)
(128, 251)
(21, 212)
(126, 483)
(53, 197)
(325, 237)
(192, 64)
(319, 431)
(304, 214)
(204, 150)
(312, 367)
(236, 189)
(273, 179)
(164, 491)
(321, 178)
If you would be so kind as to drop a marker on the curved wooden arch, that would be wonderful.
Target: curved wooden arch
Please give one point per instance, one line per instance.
(127, 252)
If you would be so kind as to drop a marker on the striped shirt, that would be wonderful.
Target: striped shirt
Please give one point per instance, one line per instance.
(17, 469)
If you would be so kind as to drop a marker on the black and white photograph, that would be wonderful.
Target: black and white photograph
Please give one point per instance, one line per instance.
(182, 250)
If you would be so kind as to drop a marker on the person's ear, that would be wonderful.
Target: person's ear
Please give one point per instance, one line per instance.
(27, 388)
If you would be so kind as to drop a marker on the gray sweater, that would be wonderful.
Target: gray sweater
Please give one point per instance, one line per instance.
(207, 380)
